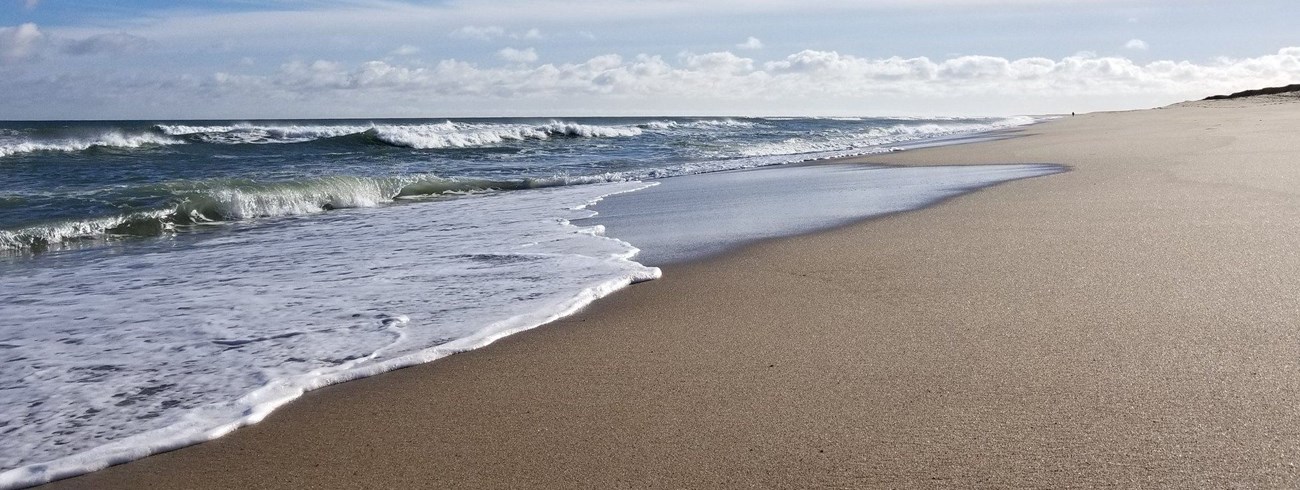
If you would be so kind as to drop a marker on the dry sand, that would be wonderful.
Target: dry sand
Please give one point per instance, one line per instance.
(1134, 322)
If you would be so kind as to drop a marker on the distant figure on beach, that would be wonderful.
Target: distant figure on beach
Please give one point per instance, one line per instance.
(1071, 114)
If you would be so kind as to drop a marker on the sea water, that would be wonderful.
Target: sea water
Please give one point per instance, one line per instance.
(696, 216)
(165, 282)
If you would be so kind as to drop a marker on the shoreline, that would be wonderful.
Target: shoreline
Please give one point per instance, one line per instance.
(1128, 322)
(117, 454)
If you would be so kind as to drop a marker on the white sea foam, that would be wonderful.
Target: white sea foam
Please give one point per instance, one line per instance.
(697, 124)
(222, 201)
(462, 135)
(231, 327)
(446, 134)
(111, 139)
(246, 133)
(53, 234)
(838, 143)
(225, 200)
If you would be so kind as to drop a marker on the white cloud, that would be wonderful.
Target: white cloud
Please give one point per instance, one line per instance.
(1136, 44)
(317, 75)
(751, 43)
(805, 82)
(116, 42)
(20, 43)
(31, 4)
(405, 50)
(488, 33)
(803, 75)
(518, 55)
(28, 42)
(720, 62)
(809, 61)
(481, 33)
(975, 68)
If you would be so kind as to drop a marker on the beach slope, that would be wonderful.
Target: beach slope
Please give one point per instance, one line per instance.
(1131, 322)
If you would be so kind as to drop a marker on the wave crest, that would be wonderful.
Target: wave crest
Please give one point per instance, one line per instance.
(238, 200)
(111, 139)
(253, 134)
(463, 135)
(701, 124)
(877, 136)
(418, 136)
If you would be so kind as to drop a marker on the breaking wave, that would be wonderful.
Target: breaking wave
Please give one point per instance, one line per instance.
(254, 134)
(111, 139)
(451, 134)
(418, 136)
(226, 200)
(462, 135)
(701, 124)
(875, 137)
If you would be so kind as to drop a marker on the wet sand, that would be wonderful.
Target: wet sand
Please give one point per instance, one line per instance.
(1133, 322)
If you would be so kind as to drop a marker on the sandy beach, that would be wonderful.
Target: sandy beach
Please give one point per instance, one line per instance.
(1132, 322)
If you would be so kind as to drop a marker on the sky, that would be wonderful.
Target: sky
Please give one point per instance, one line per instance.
(245, 59)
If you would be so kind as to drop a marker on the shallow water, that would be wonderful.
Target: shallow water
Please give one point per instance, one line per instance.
(689, 218)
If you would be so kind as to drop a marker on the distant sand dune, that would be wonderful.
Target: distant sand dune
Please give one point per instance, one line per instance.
(1292, 90)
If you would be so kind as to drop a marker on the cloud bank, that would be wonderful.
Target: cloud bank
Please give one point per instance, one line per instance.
(646, 83)
(401, 80)
(489, 33)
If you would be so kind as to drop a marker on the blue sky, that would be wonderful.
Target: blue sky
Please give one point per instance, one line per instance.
(368, 58)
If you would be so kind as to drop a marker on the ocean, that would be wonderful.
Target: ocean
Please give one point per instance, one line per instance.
(165, 282)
